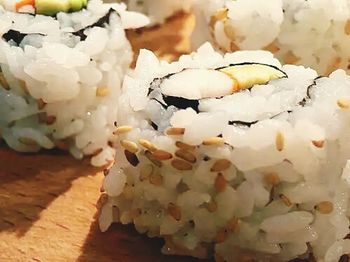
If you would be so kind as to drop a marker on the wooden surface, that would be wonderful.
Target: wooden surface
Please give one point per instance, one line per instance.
(48, 201)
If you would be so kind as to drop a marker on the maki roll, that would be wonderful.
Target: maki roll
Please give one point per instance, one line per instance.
(310, 33)
(234, 157)
(60, 76)
(159, 10)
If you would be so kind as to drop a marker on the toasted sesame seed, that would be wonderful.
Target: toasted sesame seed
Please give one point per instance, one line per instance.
(27, 141)
(220, 165)
(50, 120)
(272, 179)
(156, 179)
(220, 15)
(318, 143)
(221, 236)
(122, 130)
(131, 157)
(214, 141)
(347, 27)
(181, 165)
(41, 104)
(174, 211)
(343, 103)
(324, 207)
(220, 183)
(129, 192)
(286, 200)
(186, 155)
(279, 141)
(291, 58)
(185, 146)
(272, 47)
(3, 82)
(23, 85)
(102, 91)
(145, 171)
(151, 158)
(129, 145)
(212, 206)
(229, 30)
(175, 131)
(162, 155)
(147, 144)
(232, 224)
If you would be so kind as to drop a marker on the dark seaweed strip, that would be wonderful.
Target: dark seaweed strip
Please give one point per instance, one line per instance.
(181, 103)
(242, 123)
(308, 91)
(154, 125)
(16, 36)
(100, 23)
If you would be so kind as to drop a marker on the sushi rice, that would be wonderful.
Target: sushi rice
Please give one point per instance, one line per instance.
(311, 33)
(61, 76)
(234, 157)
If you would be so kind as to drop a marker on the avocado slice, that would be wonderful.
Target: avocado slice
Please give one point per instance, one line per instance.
(249, 74)
(51, 7)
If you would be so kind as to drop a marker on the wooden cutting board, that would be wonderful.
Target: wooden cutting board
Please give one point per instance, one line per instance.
(48, 201)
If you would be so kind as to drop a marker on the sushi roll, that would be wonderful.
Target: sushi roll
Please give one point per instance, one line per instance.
(159, 10)
(60, 75)
(234, 157)
(311, 33)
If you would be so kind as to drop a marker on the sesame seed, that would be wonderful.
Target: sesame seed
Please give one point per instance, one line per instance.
(175, 131)
(156, 179)
(220, 183)
(27, 141)
(186, 155)
(147, 144)
(343, 103)
(220, 165)
(174, 211)
(131, 157)
(102, 91)
(324, 207)
(318, 143)
(214, 141)
(272, 179)
(41, 104)
(162, 155)
(181, 165)
(122, 130)
(129, 145)
(151, 158)
(347, 27)
(185, 146)
(286, 200)
(279, 141)
(3, 82)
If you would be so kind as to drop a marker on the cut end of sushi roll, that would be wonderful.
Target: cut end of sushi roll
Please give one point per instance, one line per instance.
(287, 28)
(257, 172)
(60, 77)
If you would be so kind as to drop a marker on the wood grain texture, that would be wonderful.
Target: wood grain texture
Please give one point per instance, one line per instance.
(48, 201)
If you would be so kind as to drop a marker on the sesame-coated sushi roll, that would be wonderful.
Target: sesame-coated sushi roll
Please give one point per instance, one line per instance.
(234, 157)
(60, 76)
(159, 10)
(309, 33)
